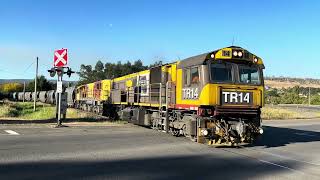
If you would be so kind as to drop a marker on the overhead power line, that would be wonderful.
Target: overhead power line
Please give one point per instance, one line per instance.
(10, 72)
(28, 67)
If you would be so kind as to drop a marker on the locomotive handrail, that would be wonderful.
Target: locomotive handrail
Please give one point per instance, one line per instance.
(129, 91)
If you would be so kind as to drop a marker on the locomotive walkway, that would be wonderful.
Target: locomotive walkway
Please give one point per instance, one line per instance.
(288, 150)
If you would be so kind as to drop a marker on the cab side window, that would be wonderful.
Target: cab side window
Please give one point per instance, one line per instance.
(191, 76)
(194, 75)
(186, 77)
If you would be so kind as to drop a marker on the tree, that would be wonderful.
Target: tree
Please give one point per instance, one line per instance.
(108, 70)
(157, 63)
(42, 84)
(85, 74)
(138, 66)
(315, 100)
(11, 87)
(99, 70)
(272, 96)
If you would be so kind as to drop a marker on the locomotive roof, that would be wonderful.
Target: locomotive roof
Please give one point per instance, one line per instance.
(200, 59)
(194, 60)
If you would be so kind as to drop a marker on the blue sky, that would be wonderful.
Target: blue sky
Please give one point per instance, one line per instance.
(285, 33)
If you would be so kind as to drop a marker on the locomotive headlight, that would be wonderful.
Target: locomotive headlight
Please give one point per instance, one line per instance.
(212, 56)
(204, 132)
(240, 54)
(235, 53)
(261, 131)
(255, 60)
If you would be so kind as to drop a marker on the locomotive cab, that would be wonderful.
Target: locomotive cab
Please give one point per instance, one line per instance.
(225, 89)
(239, 87)
(236, 90)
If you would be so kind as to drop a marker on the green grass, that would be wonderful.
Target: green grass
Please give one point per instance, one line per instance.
(275, 113)
(25, 111)
(268, 113)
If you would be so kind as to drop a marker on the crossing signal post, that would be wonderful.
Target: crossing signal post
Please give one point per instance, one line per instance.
(60, 61)
(61, 96)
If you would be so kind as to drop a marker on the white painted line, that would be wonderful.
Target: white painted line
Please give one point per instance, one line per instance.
(286, 157)
(306, 134)
(285, 167)
(11, 132)
(267, 162)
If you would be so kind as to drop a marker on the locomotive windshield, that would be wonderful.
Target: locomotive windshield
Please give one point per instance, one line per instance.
(249, 75)
(226, 72)
(221, 72)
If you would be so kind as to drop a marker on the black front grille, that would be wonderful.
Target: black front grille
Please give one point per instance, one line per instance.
(236, 111)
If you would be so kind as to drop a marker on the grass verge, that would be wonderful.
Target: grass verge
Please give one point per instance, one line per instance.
(268, 113)
(24, 111)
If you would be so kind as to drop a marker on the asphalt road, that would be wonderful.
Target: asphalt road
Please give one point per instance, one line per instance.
(288, 150)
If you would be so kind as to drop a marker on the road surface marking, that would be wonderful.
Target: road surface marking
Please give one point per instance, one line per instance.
(11, 132)
(281, 156)
(265, 161)
(285, 167)
(305, 134)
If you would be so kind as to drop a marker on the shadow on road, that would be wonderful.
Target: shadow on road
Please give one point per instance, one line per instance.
(177, 167)
(279, 136)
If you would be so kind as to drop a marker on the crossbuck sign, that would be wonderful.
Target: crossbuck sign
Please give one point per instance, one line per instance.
(60, 58)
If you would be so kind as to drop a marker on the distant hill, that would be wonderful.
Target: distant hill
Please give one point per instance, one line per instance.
(288, 82)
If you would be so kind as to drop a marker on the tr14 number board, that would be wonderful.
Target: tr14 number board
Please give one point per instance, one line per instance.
(233, 97)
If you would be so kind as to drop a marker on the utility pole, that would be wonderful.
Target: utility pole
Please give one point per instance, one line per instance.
(35, 87)
(24, 90)
(309, 97)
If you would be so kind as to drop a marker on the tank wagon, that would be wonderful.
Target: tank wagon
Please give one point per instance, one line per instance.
(28, 96)
(20, 96)
(51, 97)
(14, 96)
(71, 96)
(34, 95)
(45, 96)
(42, 96)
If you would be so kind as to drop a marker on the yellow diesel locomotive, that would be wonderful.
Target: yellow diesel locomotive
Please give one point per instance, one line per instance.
(214, 98)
